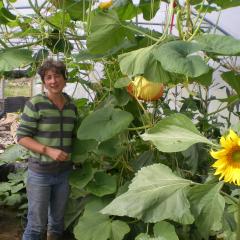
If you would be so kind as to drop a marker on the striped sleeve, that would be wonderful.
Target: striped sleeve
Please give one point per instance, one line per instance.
(29, 121)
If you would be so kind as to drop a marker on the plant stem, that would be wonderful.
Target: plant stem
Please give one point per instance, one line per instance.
(219, 110)
(139, 31)
(238, 221)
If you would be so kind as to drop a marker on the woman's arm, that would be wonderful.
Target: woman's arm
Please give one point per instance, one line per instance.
(35, 146)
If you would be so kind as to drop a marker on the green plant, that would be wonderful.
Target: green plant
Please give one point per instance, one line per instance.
(145, 165)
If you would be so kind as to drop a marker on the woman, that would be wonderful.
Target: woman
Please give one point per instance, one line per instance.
(46, 129)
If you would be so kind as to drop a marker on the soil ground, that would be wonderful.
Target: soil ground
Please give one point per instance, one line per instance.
(11, 227)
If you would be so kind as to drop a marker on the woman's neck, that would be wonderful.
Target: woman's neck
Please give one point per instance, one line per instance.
(58, 99)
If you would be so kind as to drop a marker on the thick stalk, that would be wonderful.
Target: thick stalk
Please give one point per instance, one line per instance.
(238, 222)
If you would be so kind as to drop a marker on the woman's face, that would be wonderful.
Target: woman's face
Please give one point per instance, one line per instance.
(54, 82)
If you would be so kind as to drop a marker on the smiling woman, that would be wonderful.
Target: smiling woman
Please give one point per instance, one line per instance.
(47, 129)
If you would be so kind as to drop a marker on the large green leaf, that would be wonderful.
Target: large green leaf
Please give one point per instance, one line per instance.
(75, 8)
(60, 20)
(6, 16)
(144, 236)
(155, 194)
(165, 230)
(125, 9)
(149, 8)
(181, 57)
(83, 146)
(104, 124)
(95, 226)
(174, 134)
(218, 44)
(79, 178)
(13, 153)
(106, 32)
(205, 79)
(14, 58)
(142, 62)
(162, 231)
(102, 184)
(72, 211)
(207, 205)
(226, 4)
(233, 80)
(111, 148)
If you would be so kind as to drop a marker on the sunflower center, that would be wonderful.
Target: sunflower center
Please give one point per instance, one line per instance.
(236, 156)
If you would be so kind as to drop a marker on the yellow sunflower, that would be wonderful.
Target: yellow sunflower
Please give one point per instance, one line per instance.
(228, 158)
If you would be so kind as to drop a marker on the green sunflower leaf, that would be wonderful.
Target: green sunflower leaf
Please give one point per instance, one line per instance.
(207, 205)
(175, 133)
(155, 194)
(233, 80)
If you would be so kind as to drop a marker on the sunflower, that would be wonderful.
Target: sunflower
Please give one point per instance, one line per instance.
(228, 158)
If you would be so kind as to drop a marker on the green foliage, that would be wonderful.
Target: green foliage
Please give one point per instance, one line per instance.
(162, 231)
(95, 226)
(142, 62)
(233, 80)
(219, 45)
(174, 134)
(159, 195)
(79, 178)
(104, 25)
(207, 207)
(76, 9)
(178, 57)
(104, 124)
(13, 153)
(145, 165)
(14, 58)
(12, 193)
(102, 184)
(149, 8)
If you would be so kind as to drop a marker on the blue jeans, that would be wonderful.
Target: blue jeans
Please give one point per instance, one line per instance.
(47, 197)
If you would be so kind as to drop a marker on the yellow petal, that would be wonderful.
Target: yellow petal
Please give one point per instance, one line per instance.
(220, 163)
(218, 154)
(224, 143)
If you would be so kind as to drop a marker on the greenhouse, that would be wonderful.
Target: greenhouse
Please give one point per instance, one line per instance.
(119, 120)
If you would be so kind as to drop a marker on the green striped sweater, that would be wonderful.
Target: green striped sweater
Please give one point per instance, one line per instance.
(44, 122)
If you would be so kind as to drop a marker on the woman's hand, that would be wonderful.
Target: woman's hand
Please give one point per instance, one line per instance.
(56, 154)
(35, 146)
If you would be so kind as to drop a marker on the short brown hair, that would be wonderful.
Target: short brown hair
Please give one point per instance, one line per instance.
(50, 64)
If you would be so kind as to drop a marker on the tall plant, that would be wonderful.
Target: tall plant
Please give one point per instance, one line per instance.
(143, 169)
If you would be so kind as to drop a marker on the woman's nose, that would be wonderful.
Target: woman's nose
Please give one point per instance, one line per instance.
(53, 79)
